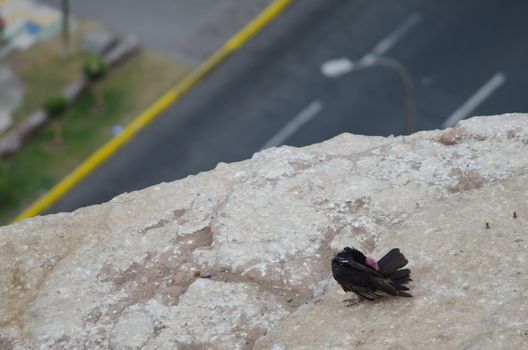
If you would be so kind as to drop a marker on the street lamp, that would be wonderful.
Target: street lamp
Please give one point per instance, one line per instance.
(341, 66)
(65, 8)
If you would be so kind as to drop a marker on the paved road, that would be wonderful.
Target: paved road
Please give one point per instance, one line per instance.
(452, 51)
(189, 30)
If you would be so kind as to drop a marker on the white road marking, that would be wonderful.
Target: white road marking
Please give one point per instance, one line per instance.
(474, 101)
(390, 40)
(295, 124)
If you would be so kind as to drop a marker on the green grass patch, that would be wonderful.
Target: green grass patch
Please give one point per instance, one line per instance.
(45, 72)
(123, 94)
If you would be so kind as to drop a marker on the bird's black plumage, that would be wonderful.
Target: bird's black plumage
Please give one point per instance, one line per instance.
(353, 272)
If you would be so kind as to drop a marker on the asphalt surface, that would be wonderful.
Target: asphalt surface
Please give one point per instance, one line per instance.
(189, 30)
(450, 51)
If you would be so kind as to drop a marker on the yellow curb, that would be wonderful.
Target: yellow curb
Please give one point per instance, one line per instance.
(162, 104)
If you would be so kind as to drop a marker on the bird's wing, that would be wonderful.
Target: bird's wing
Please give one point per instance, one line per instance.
(365, 292)
(376, 284)
(360, 268)
(384, 285)
(357, 272)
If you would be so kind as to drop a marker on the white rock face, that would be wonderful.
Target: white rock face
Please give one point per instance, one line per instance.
(239, 257)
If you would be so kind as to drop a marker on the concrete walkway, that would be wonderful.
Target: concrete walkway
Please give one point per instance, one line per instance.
(188, 30)
(11, 93)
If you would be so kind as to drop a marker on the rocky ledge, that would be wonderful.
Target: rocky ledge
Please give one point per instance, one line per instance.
(239, 257)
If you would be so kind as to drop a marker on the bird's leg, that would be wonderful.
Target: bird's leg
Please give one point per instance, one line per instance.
(353, 301)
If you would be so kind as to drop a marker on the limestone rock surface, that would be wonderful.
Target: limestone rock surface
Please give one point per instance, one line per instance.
(239, 257)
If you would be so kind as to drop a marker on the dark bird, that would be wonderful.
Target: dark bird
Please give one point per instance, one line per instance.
(370, 279)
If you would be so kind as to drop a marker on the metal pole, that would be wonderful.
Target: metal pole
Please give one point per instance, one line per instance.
(65, 6)
(405, 76)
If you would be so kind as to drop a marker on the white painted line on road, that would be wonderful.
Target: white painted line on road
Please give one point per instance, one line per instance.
(390, 40)
(474, 101)
(295, 124)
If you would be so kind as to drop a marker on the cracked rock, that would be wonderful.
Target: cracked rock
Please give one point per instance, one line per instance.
(239, 257)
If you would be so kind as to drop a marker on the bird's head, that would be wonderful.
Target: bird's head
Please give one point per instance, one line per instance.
(372, 263)
(340, 260)
(348, 254)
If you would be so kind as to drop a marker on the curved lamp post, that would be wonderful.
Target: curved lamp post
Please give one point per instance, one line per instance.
(65, 9)
(341, 66)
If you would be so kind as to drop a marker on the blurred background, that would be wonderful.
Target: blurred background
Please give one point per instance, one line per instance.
(74, 74)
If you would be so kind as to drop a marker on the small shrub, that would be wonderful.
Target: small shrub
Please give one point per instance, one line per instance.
(94, 67)
(55, 105)
(5, 191)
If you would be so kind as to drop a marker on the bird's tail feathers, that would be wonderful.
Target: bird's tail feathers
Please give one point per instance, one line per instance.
(402, 276)
(391, 262)
(403, 294)
(399, 287)
(391, 288)
(391, 266)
